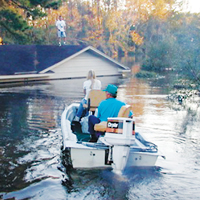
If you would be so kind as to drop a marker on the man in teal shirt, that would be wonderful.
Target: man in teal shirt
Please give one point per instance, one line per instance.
(107, 108)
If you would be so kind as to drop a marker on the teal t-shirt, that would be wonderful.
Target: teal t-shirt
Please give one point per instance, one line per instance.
(109, 108)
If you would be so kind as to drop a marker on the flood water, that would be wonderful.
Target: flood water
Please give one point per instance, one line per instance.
(30, 142)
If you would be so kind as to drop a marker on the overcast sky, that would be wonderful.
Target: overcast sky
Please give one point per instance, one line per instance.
(193, 5)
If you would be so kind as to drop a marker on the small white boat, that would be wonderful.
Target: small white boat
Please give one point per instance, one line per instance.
(118, 148)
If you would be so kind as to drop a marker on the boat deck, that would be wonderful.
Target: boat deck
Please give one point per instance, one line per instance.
(76, 128)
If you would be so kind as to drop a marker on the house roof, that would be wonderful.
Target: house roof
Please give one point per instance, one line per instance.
(32, 58)
(19, 59)
(91, 49)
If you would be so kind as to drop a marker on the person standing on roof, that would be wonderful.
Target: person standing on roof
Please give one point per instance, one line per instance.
(90, 83)
(61, 27)
(107, 108)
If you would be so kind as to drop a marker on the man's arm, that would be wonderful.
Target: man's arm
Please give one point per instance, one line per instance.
(64, 25)
(99, 109)
(57, 25)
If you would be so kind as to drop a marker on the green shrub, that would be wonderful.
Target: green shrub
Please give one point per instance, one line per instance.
(146, 74)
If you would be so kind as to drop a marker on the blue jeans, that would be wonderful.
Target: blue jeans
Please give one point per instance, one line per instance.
(80, 108)
(92, 120)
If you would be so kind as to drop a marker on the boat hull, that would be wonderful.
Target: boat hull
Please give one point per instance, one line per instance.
(93, 158)
(140, 159)
(99, 158)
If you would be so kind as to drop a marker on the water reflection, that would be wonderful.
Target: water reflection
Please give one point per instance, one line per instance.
(30, 141)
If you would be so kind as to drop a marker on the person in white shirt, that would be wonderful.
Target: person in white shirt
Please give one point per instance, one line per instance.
(61, 27)
(90, 83)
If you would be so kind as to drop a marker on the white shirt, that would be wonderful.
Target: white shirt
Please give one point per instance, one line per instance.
(60, 24)
(87, 84)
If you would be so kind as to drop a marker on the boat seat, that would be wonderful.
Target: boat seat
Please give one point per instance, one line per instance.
(123, 112)
(94, 98)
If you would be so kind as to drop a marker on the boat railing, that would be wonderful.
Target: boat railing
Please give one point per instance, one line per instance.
(149, 146)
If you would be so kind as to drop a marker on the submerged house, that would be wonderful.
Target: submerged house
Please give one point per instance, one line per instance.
(21, 63)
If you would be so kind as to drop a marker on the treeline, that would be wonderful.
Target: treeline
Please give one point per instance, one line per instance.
(155, 31)
(113, 25)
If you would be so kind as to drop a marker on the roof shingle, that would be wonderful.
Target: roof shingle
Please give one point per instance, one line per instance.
(27, 58)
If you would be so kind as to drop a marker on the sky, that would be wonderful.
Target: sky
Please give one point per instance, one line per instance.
(193, 5)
